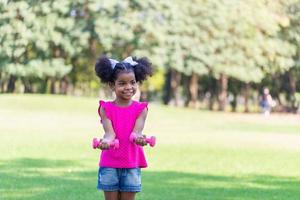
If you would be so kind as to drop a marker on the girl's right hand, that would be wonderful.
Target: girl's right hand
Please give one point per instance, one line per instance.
(104, 144)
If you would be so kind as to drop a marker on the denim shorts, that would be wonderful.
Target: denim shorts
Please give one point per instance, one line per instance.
(119, 179)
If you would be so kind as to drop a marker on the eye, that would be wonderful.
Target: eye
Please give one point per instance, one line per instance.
(121, 83)
(133, 82)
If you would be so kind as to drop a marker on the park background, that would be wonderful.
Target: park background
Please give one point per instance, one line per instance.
(212, 59)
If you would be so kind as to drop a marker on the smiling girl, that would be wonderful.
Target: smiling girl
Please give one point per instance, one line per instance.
(119, 174)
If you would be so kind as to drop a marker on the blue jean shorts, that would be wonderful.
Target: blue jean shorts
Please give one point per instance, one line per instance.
(119, 179)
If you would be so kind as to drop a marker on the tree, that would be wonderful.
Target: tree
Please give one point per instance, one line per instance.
(291, 34)
(35, 35)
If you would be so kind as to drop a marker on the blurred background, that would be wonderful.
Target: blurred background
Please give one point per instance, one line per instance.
(238, 57)
(216, 54)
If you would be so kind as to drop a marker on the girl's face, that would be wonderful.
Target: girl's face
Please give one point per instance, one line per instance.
(125, 85)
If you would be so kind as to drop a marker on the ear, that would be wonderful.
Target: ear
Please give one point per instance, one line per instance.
(111, 85)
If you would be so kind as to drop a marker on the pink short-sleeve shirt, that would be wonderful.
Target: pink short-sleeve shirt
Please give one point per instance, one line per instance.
(129, 155)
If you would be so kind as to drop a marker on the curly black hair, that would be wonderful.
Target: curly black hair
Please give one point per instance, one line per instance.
(107, 74)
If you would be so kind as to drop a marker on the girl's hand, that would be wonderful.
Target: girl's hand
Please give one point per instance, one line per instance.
(104, 144)
(141, 140)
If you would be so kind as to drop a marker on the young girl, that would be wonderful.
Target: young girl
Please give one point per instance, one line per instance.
(119, 173)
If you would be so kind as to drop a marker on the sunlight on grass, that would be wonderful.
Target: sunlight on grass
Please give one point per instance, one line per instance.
(46, 152)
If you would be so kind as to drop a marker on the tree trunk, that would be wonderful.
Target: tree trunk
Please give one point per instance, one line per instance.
(92, 40)
(233, 102)
(292, 85)
(11, 86)
(246, 96)
(1, 83)
(128, 50)
(86, 10)
(292, 82)
(93, 48)
(223, 84)
(44, 86)
(193, 90)
(63, 85)
(211, 102)
(52, 85)
(175, 82)
(167, 88)
(27, 85)
(212, 88)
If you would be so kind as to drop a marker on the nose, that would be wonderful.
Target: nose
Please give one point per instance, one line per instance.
(127, 86)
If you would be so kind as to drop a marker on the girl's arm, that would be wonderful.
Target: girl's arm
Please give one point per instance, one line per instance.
(109, 134)
(139, 126)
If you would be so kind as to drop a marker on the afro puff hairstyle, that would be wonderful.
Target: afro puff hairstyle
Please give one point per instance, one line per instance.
(107, 74)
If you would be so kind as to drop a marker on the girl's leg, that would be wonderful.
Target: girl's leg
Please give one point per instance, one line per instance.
(127, 195)
(111, 195)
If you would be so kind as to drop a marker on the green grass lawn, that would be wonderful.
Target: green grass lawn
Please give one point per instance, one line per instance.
(45, 145)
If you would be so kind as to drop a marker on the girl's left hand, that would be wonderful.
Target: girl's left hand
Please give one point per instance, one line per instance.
(141, 140)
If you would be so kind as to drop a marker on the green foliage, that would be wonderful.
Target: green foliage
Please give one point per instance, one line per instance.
(245, 40)
(37, 38)
(154, 83)
(291, 33)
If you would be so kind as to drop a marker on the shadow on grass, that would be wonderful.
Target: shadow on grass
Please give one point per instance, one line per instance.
(35, 179)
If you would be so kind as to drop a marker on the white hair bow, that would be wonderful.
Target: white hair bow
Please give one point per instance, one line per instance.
(126, 60)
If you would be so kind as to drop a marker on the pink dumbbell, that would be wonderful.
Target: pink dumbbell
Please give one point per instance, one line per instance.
(151, 141)
(113, 144)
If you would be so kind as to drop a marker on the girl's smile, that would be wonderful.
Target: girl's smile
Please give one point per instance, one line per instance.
(125, 87)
